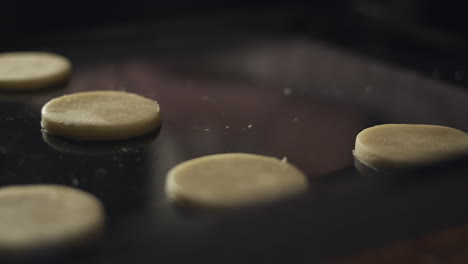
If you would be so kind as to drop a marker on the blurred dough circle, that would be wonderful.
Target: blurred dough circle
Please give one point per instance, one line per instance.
(233, 180)
(397, 146)
(46, 216)
(100, 116)
(32, 70)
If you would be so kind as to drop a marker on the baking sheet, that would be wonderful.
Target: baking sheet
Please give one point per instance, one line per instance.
(281, 95)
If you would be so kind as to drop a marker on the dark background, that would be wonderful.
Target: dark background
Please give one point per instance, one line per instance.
(428, 36)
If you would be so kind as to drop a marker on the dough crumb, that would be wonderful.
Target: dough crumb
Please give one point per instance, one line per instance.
(75, 182)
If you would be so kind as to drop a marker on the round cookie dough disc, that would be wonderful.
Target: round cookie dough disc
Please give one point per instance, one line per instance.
(32, 70)
(397, 146)
(46, 216)
(232, 180)
(100, 116)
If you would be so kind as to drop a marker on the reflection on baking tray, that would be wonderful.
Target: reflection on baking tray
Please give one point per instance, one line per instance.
(321, 69)
(426, 172)
(217, 116)
(446, 246)
(25, 95)
(103, 147)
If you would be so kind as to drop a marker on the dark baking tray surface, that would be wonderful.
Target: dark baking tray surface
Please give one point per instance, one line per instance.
(241, 90)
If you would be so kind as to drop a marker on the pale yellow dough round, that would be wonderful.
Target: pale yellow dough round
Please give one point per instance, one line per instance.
(233, 180)
(36, 217)
(398, 146)
(32, 70)
(100, 116)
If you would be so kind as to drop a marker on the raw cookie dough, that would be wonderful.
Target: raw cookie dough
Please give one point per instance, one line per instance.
(32, 70)
(397, 146)
(46, 216)
(100, 116)
(233, 180)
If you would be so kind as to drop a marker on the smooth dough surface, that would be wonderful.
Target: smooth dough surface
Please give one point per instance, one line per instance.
(396, 146)
(46, 216)
(32, 70)
(233, 180)
(100, 116)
